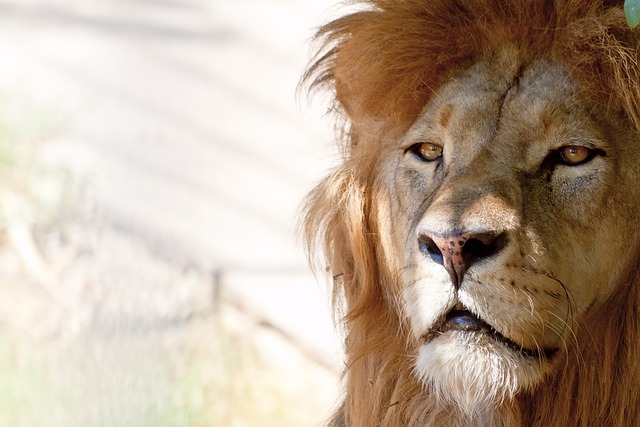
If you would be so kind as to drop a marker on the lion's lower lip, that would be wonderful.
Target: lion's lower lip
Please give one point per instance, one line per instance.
(465, 321)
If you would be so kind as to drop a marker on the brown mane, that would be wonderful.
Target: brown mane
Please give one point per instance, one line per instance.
(383, 64)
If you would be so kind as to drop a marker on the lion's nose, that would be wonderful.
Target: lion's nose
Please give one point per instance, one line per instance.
(457, 252)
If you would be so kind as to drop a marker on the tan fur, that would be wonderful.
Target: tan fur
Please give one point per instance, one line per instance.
(500, 85)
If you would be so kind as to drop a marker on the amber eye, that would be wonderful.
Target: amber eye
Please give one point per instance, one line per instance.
(427, 151)
(575, 154)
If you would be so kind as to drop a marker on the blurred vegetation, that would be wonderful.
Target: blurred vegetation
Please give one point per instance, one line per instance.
(195, 374)
(30, 193)
(30, 190)
(210, 384)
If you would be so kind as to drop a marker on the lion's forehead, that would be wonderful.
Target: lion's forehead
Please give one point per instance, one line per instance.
(517, 112)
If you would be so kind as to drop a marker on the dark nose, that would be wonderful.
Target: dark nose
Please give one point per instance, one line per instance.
(458, 251)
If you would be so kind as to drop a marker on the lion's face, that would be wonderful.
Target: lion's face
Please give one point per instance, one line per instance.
(511, 211)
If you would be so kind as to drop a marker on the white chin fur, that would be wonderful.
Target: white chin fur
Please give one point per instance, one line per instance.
(474, 372)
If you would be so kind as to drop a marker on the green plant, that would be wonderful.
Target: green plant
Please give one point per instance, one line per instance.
(632, 12)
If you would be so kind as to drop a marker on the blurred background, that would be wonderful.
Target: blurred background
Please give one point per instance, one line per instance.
(153, 157)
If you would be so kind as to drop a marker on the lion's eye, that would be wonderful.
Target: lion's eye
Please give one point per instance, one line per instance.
(573, 155)
(427, 151)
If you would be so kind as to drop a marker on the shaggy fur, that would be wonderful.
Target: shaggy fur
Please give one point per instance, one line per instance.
(384, 64)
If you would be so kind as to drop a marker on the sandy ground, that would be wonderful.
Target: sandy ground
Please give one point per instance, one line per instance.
(189, 154)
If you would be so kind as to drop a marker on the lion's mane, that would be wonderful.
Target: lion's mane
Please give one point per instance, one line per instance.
(383, 63)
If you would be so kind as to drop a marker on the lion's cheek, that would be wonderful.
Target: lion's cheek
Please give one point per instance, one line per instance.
(593, 267)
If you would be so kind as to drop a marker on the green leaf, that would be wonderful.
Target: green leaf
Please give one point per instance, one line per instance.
(632, 12)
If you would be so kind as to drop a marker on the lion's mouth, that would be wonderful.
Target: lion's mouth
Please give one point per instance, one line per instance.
(461, 319)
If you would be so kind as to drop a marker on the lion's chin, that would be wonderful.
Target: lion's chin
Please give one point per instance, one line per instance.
(476, 372)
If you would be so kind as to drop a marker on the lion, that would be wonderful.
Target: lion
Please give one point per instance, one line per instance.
(482, 226)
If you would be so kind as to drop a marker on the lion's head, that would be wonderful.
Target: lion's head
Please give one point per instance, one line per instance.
(483, 228)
